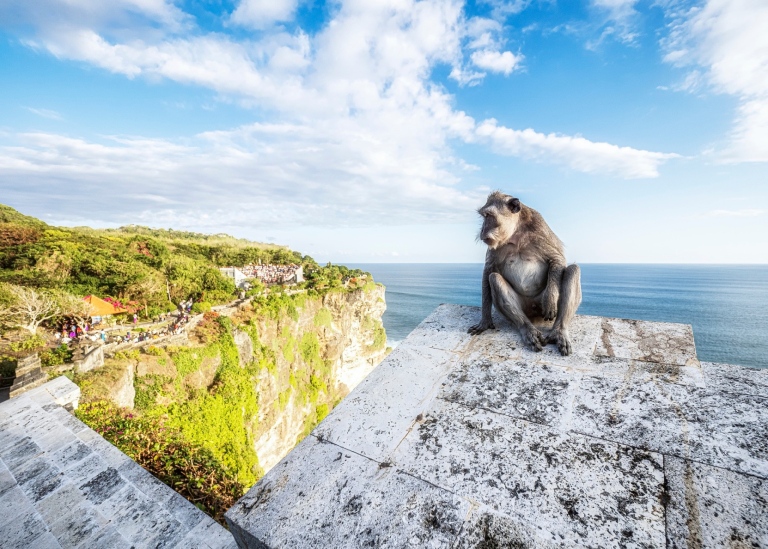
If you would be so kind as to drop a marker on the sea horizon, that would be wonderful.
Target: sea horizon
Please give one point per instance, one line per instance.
(726, 304)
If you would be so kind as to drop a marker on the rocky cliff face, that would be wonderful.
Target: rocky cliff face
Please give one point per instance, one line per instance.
(320, 354)
(258, 382)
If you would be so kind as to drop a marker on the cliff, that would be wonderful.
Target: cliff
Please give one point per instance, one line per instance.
(330, 345)
(253, 380)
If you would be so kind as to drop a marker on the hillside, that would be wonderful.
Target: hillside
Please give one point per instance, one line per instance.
(155, 268)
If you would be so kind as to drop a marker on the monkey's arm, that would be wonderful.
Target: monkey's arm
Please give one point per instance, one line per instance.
(486, 320)
(551, 293)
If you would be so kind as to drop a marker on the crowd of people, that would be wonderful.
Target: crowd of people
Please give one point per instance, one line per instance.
(72, 332)
(272, 274)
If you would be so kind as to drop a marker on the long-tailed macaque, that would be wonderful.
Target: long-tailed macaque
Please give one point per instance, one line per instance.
(525, 275)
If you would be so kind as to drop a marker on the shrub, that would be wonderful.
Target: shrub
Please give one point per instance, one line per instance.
(132, 354)
(53, 357)
(209, 329)
(201, 307)
(188, 468)
(28, 344)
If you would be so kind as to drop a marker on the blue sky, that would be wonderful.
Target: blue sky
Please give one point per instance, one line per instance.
(370, 131)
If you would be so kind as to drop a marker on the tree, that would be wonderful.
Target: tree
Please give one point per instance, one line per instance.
(75, 307)
(28, 308)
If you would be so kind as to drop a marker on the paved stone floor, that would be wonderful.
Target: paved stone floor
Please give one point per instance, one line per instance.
(460, 441)
(63, 485)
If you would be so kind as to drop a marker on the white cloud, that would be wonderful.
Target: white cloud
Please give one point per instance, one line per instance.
(577, 153)
(45, 113)
(727, 40)
(352, 132)
(494, 61)
(261, 14)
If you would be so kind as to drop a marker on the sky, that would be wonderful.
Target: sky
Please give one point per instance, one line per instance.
(372, 130)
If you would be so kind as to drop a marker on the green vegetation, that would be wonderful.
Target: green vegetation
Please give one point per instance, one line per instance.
(190, 469)
(197, 408)
(145, 270)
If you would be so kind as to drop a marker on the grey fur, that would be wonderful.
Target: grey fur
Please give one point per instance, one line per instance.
(525, 275)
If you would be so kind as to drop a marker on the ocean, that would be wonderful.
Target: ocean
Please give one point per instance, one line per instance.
(727, 305)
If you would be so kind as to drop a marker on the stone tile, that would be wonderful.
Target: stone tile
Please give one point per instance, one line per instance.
(23, 530)
(183, 511)
(63, 391)
(662, 342)
(736, 379)
(148, 525)
(39, 478)
(339, 499)
(102, 486)
(19, 453)
(535, 392)
(77, 524)
(87, 434)
(66, 497)
(142, 479)
(71, 454)
(208, 534)
(446, 328)
(123, 503)
(380, 411)
(713, 507)
(577, 489)
(727, 430)
(83, 471)
(6, 479)
(10, 435)
(485, 528)
(45, 541)
(641, 371)
(56, 439)
(111, 455)
(13, 502)
(107, 537)
(68, 420)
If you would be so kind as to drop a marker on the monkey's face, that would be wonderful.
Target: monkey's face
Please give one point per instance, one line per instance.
(500, 215)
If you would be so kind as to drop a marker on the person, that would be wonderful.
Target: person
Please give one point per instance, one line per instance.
(103, 336)
(135, 319)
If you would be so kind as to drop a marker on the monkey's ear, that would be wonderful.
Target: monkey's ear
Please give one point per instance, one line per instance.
(514, 205)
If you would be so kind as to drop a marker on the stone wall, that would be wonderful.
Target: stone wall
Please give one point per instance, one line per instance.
(29, 374)
(477, 441)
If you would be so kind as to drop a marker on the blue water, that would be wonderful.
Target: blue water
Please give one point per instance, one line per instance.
(727, 305)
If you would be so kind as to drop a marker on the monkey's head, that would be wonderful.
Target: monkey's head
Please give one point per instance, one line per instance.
(500, 216)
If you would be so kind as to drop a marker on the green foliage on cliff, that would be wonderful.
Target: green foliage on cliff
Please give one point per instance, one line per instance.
(188, 468)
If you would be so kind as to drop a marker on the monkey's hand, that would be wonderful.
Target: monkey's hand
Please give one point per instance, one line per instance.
(549, 304)
(483, 325)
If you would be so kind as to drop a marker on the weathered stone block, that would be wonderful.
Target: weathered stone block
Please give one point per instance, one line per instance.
(713, 507)
(575, 488)
(340, 499)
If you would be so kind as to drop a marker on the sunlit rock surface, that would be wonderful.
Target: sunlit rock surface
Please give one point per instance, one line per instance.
(460, 441)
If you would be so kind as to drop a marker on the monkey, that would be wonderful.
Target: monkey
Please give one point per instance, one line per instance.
(525, 274)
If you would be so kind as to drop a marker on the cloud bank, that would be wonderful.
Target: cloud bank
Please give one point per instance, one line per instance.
(352, 127)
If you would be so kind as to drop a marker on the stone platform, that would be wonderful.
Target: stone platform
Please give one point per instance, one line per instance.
(460, 441)
(63, 485)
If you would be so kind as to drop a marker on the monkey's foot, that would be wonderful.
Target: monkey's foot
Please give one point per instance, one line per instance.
(559, 337)
(481, 327)
(532, 337)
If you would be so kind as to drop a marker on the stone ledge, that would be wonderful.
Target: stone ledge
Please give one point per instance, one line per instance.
(62, 485)
(630, 441)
